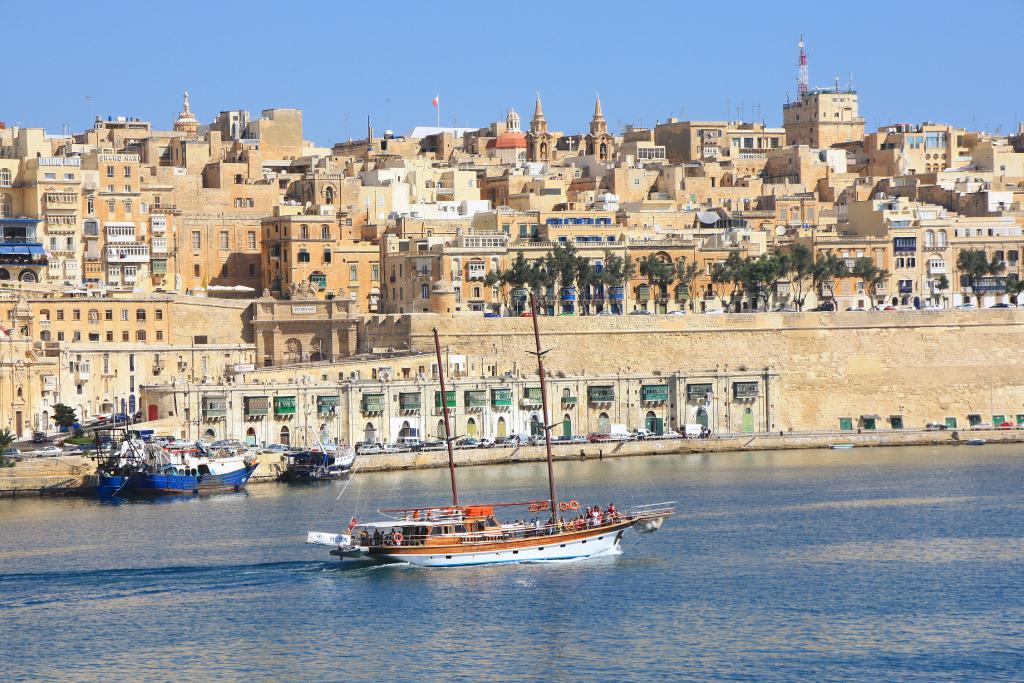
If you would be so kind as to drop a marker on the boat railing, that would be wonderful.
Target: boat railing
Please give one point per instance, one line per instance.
(509, 532)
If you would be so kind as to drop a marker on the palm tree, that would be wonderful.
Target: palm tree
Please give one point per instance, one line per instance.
(7, 437)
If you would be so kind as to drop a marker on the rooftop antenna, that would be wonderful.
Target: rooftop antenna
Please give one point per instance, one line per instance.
(837, 82)
(850, 88)
(802, 79)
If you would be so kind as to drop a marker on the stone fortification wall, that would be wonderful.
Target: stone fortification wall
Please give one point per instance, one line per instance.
(922, 365)
(221, 321)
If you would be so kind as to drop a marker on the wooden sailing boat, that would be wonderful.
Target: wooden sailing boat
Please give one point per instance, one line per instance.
(458, 535)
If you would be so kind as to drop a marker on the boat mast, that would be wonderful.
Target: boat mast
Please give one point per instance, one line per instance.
(544, 408)
(447, 423)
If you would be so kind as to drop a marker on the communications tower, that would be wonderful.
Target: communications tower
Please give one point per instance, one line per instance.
(801, 78)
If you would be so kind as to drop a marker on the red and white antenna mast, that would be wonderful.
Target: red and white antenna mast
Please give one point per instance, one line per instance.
(801, 78)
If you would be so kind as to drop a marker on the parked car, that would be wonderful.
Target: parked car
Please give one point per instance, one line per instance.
(640, 434)
(369, 448)
(983, 425)
(492, 314)
(10, 453)
(1005, 424)
(640, 311)
(825, 307)
(47, 452)
(671, 434)
(467, 442)
(432, 446)
(1000, 305)
(39, 437)
(599, 438)
(486, 442)
(714, 311)
(856, 309)
(526, 314)
(966, 307)
(677, 312)
(935, 426)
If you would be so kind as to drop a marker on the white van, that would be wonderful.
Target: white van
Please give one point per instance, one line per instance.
(693, 431)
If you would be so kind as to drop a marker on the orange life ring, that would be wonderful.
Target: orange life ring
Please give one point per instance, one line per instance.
(573, 505)
(563, 506)
(539, 506)
(397, 538)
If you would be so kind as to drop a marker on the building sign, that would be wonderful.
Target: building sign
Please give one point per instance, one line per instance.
(244, 367)
(299, 310)
(744, 389)
(127, 158)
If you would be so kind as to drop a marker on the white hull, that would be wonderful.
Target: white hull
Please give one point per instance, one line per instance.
(604, 544)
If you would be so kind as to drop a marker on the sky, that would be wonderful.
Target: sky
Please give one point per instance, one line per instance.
(340, 62)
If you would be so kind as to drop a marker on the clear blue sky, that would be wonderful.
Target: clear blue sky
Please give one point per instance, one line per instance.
(954, 62)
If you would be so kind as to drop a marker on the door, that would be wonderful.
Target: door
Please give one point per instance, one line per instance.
(566, 427)
(502, 429)
(748, 420)
(250, 436)
(604, 425)
(471, 428)
(651, 422)
(702, 417)
(18, 423)
(951, 422)
(153, 412)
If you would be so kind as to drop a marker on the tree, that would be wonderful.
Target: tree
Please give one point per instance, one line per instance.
(871, 274)
(7, 437)
(941, 285)
(723, 274)
(618, 271)
(759, 277)
(800, 269)
(975, 265)
(586, 278)
(64, 416)
(659, 273)
(1015, 287)
(827, 269)
(686, 273)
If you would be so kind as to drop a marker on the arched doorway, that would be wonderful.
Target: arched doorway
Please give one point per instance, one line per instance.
(370, 433)
(210, 434)
(441, 433)
(502, 428)
(604, 425)
(471, 428)
(748, 420)
(536, 428)
(406, 431)
(702, 417)
(28, 276)
(652, 423)
(566, 426)
(250, 437)
(286, 437)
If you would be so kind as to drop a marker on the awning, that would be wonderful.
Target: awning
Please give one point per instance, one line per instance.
(870, 417)
(9, 249)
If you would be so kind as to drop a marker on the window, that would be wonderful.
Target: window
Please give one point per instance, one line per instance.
(111, 206)
(197, 241)
(250, 240)
(159, 314)
(303, 232)
(353, 273)
(5, 177)
(76, 314)
(108, 314)
(140, 335)
(127, 206)
(110, 171)
(195, 269)
(327, 255)
(325, 232)
(124, 314)
(140, 315)
(125, 336)
(60, 314)
(303, 256)
(223, 239)
(69, 176)
(424, 291)
(110, 335)
(159, 335)
(127, 171)
(375, 272)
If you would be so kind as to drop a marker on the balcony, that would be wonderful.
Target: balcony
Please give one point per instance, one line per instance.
(476, 400)
(284, 406)
(601, 394)
(372, 403)
(215, 407)
(501, 398)
(532, 398)
(82, 375)
(409, 402)
(449, 401)
(21, 252)
(61, 200)
(135, 252)
(256, 406)
(121, 235)
(654, 393)
(569, 401)
(937, 268)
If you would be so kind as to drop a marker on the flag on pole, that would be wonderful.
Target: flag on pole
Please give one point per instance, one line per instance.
(352, 524)
(436, 101)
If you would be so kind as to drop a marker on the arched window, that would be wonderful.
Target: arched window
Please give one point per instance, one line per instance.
(604, 150)
(210, 433)
(303, 256)
(28, 276)
(424, 291)
(328, 195)
(325, 232)
(21, 394)
(471, 428)
(286, 436)
(140, 335)
(441, 433)
(6, 208)
(502, 428)
(942, 238)
(929, 238)
(293, 351)
(604, 425)
(250, 437)
(303, 232)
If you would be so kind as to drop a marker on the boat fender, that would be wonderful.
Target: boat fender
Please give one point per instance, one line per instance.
(397, 538)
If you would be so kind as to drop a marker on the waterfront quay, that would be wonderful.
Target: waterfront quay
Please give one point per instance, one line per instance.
(75, 475)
